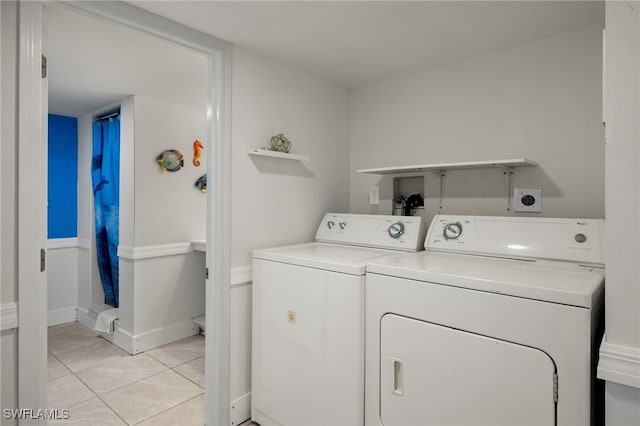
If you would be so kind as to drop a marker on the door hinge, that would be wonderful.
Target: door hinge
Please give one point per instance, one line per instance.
(43, 260)
(206, 273)
(555, 387)
(44, 67)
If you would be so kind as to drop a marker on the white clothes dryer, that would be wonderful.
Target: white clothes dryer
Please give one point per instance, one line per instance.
(496, 323)
(308, 319)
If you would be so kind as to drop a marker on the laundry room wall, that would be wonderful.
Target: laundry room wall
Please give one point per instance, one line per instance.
(278, 201)
(540, 100)
(8, 203)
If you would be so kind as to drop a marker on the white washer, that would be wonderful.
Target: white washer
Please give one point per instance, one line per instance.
(308, 319)
(497, 323)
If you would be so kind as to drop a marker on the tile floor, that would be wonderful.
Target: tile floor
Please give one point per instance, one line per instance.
(101, 385)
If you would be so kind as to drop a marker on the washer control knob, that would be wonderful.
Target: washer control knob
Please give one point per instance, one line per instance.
(581, 238)
(331, 224)
(396, 230)
(452, 231)
(342, 224)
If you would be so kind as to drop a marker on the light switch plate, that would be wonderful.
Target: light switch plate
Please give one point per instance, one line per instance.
(527, 200)
(374, 195)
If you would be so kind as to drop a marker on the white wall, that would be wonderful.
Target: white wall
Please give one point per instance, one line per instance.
(168, 208)
(8, 152)
(8, 281)
(62, 280)
(620, 352)
(8, 366)
(275, 201)
(540, 100)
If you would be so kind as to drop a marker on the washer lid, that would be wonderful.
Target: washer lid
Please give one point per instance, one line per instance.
(327, 256)
(551, 281)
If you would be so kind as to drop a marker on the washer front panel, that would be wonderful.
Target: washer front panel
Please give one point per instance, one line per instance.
(307, 346)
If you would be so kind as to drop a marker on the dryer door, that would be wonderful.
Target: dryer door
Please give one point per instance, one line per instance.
(435, 375)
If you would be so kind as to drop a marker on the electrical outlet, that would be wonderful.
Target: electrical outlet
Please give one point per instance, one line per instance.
(527, 200)
(374, 195)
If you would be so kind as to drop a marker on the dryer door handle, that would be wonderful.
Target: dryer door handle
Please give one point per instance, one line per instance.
(398, 379)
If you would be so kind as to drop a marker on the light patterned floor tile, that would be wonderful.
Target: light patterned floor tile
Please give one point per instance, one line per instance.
(149, 397)
(73, 327)
(85, 356)
(67, 391)
(190, 413)
(179, 352)
(91, 413)
(193, 370)
(120, 372)
(68, 337)
(55, 369)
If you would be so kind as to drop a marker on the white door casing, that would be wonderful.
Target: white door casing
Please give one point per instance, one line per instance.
(32, 302)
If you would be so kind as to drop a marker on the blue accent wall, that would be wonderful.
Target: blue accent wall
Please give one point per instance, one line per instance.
(63, 177)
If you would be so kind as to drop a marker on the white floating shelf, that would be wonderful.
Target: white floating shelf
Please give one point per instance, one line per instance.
(500, 164)
(276, 154)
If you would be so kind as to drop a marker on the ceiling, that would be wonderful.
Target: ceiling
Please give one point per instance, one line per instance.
(92, 65)
(358, 42)
(350, 43)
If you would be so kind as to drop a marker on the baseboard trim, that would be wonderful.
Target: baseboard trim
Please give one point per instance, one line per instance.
(619, 364)
(60, 316)
(8, 316)
(62, 243)
(241, 409)
(158, 337)
(84, 318)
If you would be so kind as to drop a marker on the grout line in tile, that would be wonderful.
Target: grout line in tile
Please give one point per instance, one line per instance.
(112, 410)
(137, 381)
(170, 408)
(177, 372)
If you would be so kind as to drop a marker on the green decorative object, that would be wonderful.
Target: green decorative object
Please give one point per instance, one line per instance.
(170, 160)
(201, 183)
(280, 143)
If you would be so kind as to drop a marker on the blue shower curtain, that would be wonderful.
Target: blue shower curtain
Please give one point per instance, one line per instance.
(105, 176)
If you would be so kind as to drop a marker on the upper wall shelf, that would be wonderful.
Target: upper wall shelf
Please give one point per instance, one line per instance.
(500, 164)
(276, 154)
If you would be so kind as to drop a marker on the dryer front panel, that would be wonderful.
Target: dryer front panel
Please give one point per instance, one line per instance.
(436, 375)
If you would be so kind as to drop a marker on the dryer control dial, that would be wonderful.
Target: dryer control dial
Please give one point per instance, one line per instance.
(331, 224)
(396, 230)
(452, 231)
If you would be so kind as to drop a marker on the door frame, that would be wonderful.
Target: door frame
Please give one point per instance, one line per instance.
(32, 148)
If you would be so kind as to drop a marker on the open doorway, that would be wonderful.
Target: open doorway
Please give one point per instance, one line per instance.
(216, 131)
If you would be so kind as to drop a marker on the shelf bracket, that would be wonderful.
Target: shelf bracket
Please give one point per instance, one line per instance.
(442, 174)
(508, 172)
